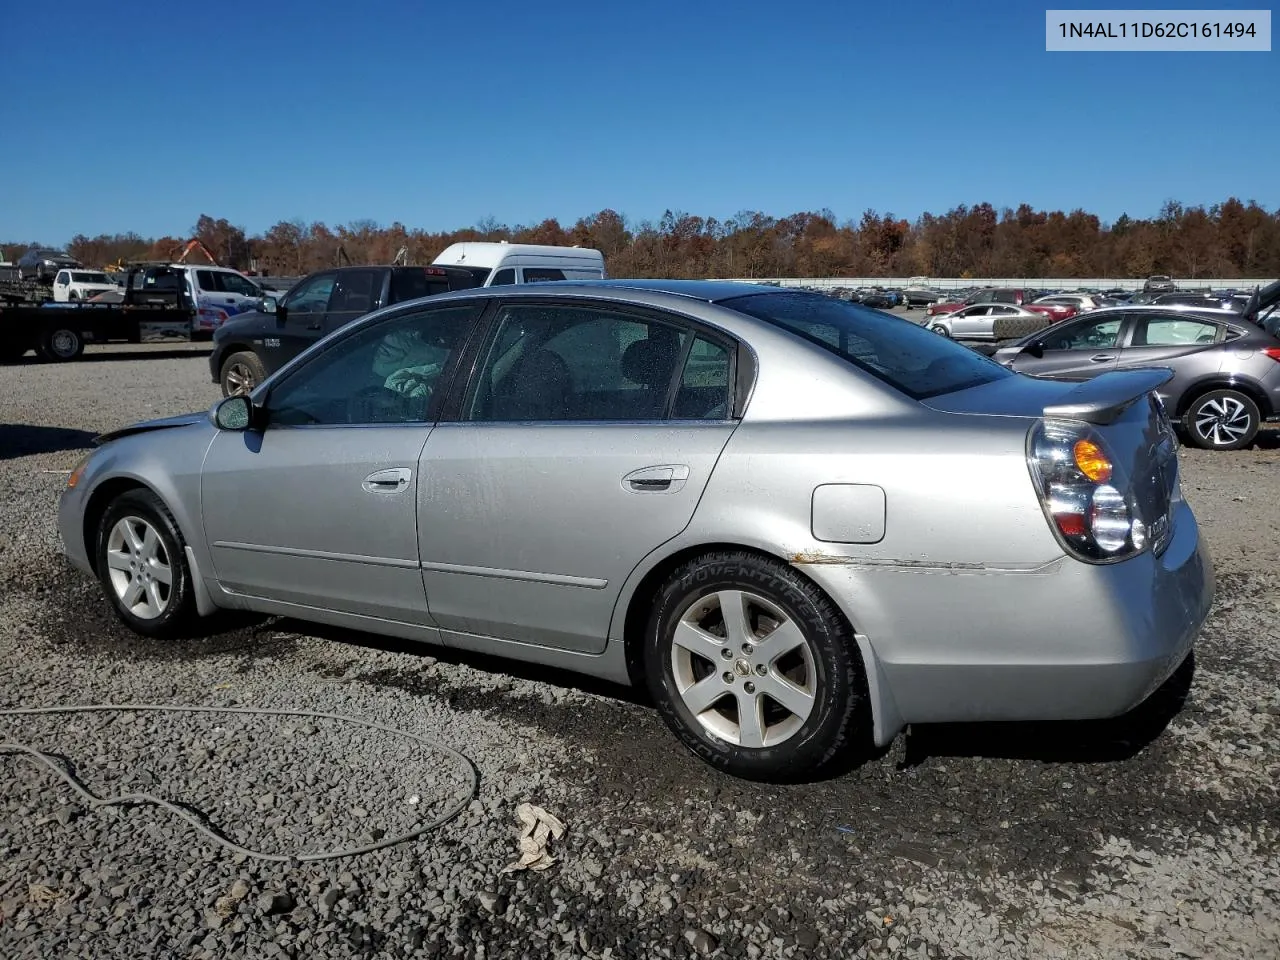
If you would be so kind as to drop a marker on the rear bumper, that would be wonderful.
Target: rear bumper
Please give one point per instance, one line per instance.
(1066, 641)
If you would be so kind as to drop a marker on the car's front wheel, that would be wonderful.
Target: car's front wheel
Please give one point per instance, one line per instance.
(940, 330)
(241, 373)
(142, 564)
(1222, 420)
(754, 668)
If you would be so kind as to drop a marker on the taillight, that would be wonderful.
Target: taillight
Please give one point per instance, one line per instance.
(1272, 352)
(433, 271)
(1089, 507)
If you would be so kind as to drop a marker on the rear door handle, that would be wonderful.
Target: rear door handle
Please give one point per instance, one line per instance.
(388, 481)
(663, 478)
(1101, 357)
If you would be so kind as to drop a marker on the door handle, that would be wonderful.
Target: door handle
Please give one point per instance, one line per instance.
(1101, 357)
(388, 481)
(663, 478)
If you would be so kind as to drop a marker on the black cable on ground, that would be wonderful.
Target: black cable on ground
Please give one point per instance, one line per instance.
(52, 764)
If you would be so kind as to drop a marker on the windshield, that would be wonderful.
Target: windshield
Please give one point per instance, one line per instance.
(902, 354)
(480, 273)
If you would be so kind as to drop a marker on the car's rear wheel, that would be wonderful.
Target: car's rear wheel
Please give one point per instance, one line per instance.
(142, 565)
(754, 668)
(62, 344)
(241, 373)
(1222, 420)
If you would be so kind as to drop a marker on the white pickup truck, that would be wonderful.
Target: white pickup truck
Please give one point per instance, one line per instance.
(72, 285)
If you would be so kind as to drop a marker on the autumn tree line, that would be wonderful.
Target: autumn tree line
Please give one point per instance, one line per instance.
(1232, 239)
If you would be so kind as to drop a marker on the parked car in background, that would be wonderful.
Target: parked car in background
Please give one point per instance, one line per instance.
(1080, 302)
(1226, 368)
(732, 494)
(42, 264)
(247, 349)
(1013, 295)
(978, 321)
(70, 285)
(1159, 284)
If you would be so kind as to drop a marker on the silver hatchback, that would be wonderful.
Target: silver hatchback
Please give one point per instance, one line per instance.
(798, 521)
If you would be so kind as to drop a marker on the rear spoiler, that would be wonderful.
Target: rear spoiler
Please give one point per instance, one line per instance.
(1104, 398)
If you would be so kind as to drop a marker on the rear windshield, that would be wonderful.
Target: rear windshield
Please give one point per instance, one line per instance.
(89, 278)
(906, 356)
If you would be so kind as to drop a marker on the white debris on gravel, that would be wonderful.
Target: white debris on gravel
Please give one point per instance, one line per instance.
(1064, 842)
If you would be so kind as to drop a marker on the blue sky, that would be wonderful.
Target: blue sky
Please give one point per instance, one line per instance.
(438, 115)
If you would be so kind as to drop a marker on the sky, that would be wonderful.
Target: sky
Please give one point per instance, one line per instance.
(439, 115)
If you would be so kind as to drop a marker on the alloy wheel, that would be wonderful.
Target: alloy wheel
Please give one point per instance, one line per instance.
(1222, 420)
(239, 380)
(139, 566)
(743, 668)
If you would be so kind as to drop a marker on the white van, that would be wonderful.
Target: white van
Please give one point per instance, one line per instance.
(498, 263)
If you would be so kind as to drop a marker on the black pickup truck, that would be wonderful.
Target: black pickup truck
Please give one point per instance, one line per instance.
(150, 308)
(250, 347)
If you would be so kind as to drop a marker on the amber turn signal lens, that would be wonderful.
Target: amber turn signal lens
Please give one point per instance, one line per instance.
(1093, 463)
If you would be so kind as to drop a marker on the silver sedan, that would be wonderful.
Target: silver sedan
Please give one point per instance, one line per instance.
(803, 524)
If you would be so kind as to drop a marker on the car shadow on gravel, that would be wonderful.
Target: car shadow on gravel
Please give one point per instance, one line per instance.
(25, 439)
(1076, 741)
(200, 352)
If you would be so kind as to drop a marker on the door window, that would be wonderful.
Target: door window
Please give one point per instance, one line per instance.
(386, 373)
(311, 295)
(541, 274)
(355, 292)
(234, 283)
(576, 363)
(704, 392)
(62, 279)
(1095, 335)
(1166, 331)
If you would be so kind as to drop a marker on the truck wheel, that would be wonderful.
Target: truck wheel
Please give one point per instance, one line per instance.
(241, 372)
(62, 344)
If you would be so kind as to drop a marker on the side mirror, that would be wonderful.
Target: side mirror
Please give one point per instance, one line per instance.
(268, 304)
(233, 413)
(1035, 349)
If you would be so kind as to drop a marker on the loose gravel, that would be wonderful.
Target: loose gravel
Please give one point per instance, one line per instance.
(1152, 836)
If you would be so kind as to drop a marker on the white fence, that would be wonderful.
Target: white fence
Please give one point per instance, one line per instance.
(1034, 283)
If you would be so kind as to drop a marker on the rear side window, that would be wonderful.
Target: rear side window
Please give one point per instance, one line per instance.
(906, 356)
(541, 274)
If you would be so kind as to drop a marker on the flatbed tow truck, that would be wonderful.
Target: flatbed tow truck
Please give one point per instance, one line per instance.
(155, 306)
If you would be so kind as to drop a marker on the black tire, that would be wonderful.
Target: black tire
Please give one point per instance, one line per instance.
(145, 506)
(62, 344)
(243, 369)
(1014, 328)
(941, 330)
(1222, 415)
(837, 723)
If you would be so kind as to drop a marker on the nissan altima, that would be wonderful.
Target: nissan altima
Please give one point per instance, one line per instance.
(803, 524)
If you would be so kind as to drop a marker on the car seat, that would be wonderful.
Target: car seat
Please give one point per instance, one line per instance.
(651, 363)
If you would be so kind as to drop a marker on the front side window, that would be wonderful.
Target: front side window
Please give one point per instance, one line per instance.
(908, 357)
(1173, 332)
(1094, 335)
(355, 292)
(576, 363)
(234, 283)
(62, 279)
(311, 295)
(386, 373)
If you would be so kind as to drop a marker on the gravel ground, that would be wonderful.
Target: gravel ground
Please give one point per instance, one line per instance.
(1152, 836)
